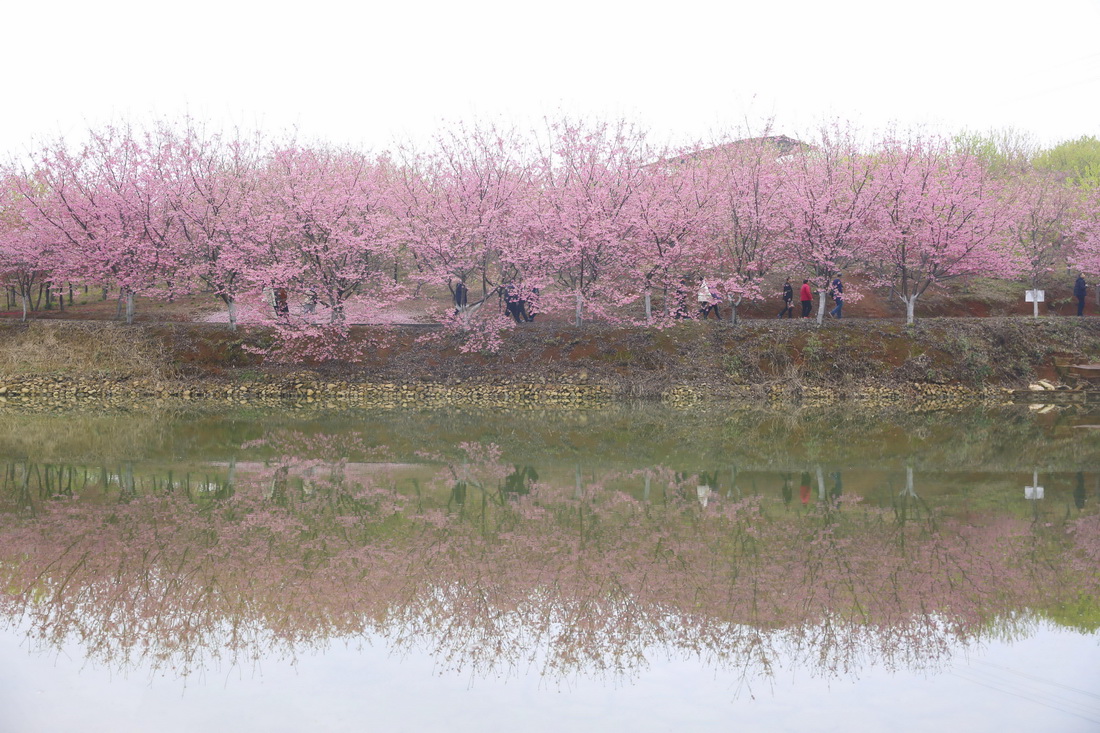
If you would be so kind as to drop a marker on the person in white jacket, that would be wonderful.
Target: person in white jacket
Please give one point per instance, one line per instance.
(708, 301)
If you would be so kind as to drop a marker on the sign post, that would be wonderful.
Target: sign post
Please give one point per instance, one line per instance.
(1035, 491)
(1035, 297)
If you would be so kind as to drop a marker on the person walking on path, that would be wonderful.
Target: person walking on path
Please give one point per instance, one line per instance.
(806, 297)
(514, 303)
(282, 307)
(1080, 288)
(462, 296)
(788, 300)
(707, 302)
(837, 291)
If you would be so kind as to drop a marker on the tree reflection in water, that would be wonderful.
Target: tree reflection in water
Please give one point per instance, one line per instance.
(493, 569)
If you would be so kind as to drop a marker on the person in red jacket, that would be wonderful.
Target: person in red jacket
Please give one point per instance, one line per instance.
(807, 297)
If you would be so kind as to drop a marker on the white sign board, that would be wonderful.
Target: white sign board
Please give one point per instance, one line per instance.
(1035, 296)
(703, 492)
(1033, 492)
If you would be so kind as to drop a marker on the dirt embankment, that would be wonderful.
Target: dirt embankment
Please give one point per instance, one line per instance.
(758, 359)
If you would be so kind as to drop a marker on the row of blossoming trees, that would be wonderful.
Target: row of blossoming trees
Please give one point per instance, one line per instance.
(587, 217)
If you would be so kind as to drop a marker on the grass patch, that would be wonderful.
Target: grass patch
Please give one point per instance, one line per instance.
(104, 350)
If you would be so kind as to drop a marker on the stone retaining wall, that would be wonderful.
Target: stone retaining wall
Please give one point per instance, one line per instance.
(305, 390)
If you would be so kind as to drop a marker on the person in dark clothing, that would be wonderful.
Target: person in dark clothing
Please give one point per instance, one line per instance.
(462, 295)
(519, 481)
(1080, 289)
(513, 302)
(788, 494)
(806, 297)
(837, 291)
(458, 493)
(310, 306)
(282, 308)
(788, 299)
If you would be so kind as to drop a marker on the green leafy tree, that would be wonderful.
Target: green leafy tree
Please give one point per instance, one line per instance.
(1078, 160)
(1004, 152)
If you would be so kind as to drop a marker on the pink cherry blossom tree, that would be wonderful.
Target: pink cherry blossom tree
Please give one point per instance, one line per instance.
(581, 221)
(326, 231)
(674, 204)
(26, 253)
(1085, 256)
(219, 211)
(456, 205)
(107, 203)
(830, 197)
(748, 233)
(1040, 222)
(940, 216)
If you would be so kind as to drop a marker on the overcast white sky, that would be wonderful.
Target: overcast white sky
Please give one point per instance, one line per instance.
(369, 73)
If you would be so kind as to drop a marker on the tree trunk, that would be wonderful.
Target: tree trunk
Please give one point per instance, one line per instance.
(231, 477)
(129, 307)
(580, 306)
(910, 307)
(909, 491)
(648, 307)
(821, 305)
(231, 305)
(26, 302)
(126, 480)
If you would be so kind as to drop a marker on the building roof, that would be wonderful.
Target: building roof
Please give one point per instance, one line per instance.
(782, 145)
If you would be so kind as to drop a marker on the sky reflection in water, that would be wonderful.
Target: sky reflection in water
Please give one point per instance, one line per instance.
(1047, 682)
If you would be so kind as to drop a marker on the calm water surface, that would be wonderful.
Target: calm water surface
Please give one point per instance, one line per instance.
(624, 569)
